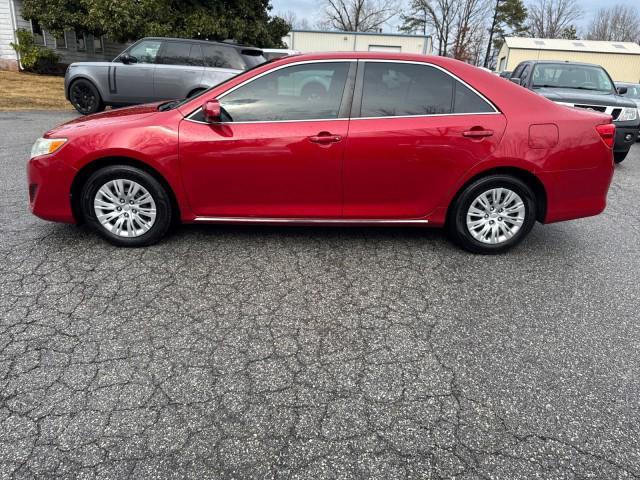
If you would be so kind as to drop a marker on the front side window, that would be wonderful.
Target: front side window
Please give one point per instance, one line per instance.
(299, 92)
(583, 77)
(145, 51)
(405, 89)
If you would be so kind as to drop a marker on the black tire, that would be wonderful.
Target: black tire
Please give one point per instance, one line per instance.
(457, 219)
(163, 205)
(619, 156)
(85, 98)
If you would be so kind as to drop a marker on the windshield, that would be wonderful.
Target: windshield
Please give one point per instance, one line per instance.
(582, 77)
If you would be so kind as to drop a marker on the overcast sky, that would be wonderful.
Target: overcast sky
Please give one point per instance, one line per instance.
(310, 9)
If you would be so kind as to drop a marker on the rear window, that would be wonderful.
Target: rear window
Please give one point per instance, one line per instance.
(220, 56)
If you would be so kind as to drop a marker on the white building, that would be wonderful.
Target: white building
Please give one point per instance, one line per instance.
(314, 41)
(73, 46)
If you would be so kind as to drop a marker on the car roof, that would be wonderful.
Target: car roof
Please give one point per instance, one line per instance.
(563, 62)
(197, 40)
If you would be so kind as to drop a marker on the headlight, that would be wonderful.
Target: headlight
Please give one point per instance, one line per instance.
(45, 146)
(627, 114)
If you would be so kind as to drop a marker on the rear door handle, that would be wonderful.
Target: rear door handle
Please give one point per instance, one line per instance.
(477, 133)
(325, 138)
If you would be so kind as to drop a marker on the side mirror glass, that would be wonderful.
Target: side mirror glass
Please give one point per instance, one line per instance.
(126, 59)
(517, 81)
(212, 111)
(622, 90)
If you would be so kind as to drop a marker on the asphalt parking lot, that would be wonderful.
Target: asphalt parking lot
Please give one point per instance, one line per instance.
(255, 352)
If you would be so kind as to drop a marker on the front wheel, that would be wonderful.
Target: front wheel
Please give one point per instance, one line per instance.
(126, 205)
(619, 156)
(85, 98)
(492, 214)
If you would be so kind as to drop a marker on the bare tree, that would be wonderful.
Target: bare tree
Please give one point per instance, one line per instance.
(551, 18)
(293, 21)
(469, 28)
(619, 23)
(358, 15)
(440, 15)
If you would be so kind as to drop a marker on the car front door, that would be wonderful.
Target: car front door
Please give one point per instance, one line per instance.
(277, 153)
(415, 131)
(179, 70)
(133, 82)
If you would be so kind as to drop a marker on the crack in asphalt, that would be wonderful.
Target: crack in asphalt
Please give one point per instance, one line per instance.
(260, 352)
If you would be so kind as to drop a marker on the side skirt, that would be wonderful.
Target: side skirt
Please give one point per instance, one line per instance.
(311, 221)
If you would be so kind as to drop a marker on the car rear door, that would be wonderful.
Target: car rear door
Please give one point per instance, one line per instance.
(133, 82)
(179, 70)
(277, 153)
(415, 130)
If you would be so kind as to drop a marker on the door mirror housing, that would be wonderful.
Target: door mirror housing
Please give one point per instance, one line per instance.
(517, 81)
(622, 90)
(127, 59)
(212, 111)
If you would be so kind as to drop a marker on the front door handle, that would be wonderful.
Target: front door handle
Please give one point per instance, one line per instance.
(477, 133)
(325, 138)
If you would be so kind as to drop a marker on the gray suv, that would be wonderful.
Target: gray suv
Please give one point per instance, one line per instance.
(154, 69)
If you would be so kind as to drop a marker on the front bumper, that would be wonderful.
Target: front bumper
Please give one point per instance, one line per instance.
(50, 181)
(626, 136)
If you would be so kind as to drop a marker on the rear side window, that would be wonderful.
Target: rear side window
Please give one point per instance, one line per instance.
(467, 101)
(405, 89)
(175, 53)
(222, 57)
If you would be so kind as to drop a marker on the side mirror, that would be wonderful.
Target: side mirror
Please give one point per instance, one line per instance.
(212, 111)
(622, 90)
(127, 59)
(517, 81)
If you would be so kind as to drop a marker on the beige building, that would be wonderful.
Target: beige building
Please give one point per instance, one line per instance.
(620, 59)
(313, 41)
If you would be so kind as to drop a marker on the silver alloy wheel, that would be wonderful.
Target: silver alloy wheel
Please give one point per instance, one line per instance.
(125, 208)
(495, 216)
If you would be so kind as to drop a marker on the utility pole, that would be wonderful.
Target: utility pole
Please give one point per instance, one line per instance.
(493, 26)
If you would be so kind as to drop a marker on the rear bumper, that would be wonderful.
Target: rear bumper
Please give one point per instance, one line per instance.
(50, 182)
(576, 193)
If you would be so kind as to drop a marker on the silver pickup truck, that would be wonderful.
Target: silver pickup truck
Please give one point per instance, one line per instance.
(154, 69)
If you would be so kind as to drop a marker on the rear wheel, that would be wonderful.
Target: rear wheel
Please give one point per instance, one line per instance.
(126, 205)
(84, 96)
(492, 214)
(619, 156)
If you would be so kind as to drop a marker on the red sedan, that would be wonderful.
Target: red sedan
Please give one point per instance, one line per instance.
(340, 139)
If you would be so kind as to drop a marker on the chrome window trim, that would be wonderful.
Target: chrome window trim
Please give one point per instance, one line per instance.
(414, 62)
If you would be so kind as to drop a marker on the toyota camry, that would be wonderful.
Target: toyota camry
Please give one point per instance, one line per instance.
(332, 139)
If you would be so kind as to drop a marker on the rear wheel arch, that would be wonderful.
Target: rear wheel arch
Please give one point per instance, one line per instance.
(531, 180)
(86, 171)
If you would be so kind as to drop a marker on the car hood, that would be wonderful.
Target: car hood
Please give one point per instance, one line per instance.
(119, 115)
(572, 95)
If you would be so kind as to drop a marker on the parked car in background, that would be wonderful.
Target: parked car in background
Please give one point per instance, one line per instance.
(632, 92)
(154, 69)
(583, 86)
(273, 53)
(397, 139)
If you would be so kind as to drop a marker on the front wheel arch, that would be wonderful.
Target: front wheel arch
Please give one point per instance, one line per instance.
(527, 177)
(85, 172)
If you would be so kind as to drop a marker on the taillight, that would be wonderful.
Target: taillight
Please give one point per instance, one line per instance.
(607, 133)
